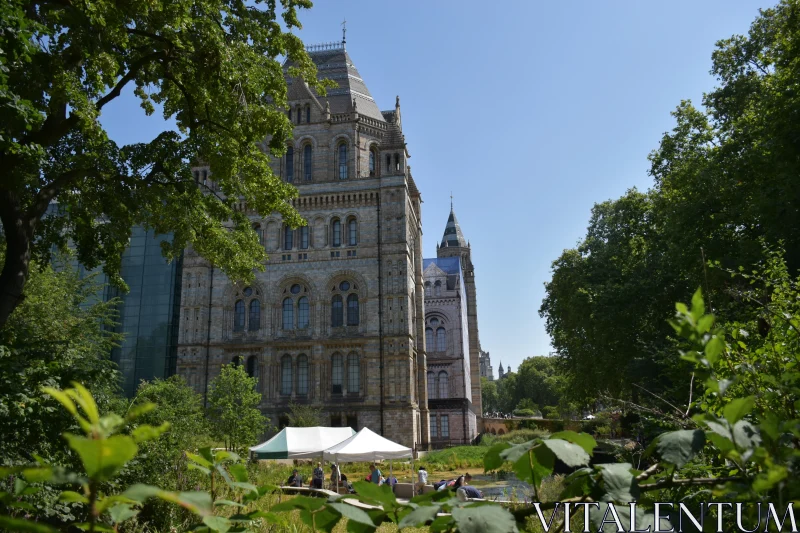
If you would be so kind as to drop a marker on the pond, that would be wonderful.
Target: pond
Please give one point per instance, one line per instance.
(504, 486)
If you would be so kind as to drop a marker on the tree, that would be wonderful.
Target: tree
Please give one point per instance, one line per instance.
(489, 395)
(58, 335)
(212, 67)
(233, 408)
(304, 416)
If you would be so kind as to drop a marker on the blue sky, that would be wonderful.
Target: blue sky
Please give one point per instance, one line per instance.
(529, 112)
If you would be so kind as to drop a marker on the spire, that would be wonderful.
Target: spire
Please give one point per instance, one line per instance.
(344, 33)
(452, 231)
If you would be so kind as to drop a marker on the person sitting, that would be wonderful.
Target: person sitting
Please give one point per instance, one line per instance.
(317, 477)
(375, 474)
(336, 476)
(391, 481)
(471, 492)
(295, 480)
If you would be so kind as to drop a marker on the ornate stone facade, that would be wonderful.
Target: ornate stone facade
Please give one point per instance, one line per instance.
(337, 319)
(452, 342)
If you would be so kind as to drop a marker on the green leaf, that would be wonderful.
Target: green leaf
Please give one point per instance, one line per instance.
(299, 502)
(195, 501)
(619, 483)
(217, 523)
(18, 524)
(70, 496)
(484, 519)
(324, 519)
(121, 512)
(373, 493)
(147, 432)
(352, 513)
(679, 447)
(206, 454)
(570, 454)
(492, 459)
(513, 453)
(103, 458)
(542, 463)
(138, 410)
(249, 487)
(738, 409)
(227, 503)
(239, 472)
(584, 440)
(419, 516)
(698, 305)
(714, 348)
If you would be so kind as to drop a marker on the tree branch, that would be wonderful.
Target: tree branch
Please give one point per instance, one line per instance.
(128, 77)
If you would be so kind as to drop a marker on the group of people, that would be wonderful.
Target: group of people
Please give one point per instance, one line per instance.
(318, 478)
(460, 484)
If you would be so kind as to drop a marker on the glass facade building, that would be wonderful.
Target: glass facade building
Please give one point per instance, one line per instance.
(148, 314)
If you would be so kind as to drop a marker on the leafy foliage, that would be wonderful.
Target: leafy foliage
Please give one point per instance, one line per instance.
(213, 69)
(56, 336)
(304, 415)
(233, 401)
(724, 190)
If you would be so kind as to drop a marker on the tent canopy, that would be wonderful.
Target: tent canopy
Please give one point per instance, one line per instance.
(300, 443)
(366, 445)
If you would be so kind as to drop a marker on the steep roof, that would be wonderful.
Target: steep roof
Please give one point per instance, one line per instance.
(334, 63)
(452, 232)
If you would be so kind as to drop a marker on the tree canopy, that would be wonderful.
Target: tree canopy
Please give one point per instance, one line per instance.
(725, 190)
(211, 65)
(233, 408)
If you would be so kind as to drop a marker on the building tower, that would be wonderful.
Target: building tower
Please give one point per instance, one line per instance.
(336, 320)
(454, 245)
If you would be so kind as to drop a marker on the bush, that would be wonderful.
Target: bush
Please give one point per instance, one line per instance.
(523, 412)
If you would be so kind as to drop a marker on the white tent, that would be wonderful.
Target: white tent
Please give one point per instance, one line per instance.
(300, 443)
(366, 445)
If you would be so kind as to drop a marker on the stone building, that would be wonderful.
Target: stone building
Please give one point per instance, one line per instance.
(336, 320)
(486, 366)
(451, 340)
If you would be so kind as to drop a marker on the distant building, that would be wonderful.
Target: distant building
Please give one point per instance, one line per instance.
(451, 339)
(486, 366)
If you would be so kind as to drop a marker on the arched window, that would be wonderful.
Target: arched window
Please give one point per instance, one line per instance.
(352, 232)
(307, 162)
(397, 162)
(352, 310)
(441, 343)
(255, 316)
(353, 373)
(299, 115)
(343, 161)
(237, 360)
(431, 386)
(429, 338)
(302, 375)
(288, 238)
(371, 162)
(302, 313)
(303, 244)
(336, 373)
(286, 375)
(290, 164)
(337, 232)
(252, 366)
(238, 315)
(444, 387)
(288, 314)
(308, 114)
(289, 114)
(437, 289)
(337, 313)
(259, 233)
(388, 162)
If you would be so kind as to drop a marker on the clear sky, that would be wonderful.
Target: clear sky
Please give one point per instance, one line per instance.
(529, 112)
